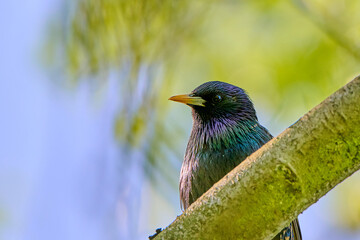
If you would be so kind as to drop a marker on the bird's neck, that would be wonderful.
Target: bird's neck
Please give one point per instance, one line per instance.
(220, 134)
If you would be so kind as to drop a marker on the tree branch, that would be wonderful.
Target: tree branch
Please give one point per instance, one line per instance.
(283, 178)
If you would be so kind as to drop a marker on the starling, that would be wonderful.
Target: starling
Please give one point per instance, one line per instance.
(225, 131)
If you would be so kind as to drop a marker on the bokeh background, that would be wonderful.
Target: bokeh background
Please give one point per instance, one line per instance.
(90, 146)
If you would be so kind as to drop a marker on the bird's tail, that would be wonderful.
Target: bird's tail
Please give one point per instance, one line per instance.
(292, 232)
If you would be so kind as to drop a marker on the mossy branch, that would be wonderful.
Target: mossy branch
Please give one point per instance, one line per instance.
(275, 184)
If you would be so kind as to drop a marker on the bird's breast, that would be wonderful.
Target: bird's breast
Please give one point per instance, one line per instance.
(204, 165)
(212, 153)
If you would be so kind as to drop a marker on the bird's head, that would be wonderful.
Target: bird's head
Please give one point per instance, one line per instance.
(218, 100)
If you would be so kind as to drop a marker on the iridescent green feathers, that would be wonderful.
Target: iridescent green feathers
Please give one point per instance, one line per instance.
(225, 131)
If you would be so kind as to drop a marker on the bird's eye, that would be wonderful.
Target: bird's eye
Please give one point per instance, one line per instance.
(217, 98)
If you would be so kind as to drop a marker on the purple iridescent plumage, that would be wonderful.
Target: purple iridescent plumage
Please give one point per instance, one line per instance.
(225, 131)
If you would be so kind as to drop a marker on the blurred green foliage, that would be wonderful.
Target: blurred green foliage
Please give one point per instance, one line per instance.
(104, 34)
(289, 55)
(138, 41)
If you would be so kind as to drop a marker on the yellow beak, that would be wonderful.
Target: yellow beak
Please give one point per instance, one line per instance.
(188, 99)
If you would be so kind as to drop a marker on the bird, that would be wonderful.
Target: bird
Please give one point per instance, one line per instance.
(225, 131)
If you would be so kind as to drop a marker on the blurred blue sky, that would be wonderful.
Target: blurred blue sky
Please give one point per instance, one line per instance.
(57, 146)
(60, 167)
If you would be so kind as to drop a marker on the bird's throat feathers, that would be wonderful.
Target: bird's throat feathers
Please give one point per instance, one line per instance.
(224, 134)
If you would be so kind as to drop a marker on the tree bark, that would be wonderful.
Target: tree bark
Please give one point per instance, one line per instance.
(276, 183)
